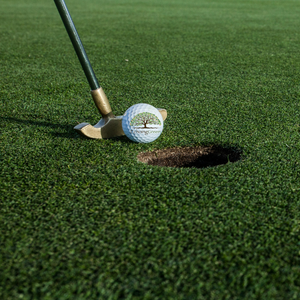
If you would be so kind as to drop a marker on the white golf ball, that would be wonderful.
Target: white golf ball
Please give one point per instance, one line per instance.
(142, 123)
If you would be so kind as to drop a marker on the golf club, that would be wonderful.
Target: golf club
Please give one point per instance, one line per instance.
(110, 125)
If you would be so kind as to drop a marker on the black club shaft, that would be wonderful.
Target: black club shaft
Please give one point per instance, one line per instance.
(77, 44)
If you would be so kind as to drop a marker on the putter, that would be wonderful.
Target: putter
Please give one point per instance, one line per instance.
(109, 125)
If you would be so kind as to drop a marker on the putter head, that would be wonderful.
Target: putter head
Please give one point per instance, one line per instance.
(107, 127)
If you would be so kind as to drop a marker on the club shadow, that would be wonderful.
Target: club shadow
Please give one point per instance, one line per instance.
(69, 132)
(68, 129)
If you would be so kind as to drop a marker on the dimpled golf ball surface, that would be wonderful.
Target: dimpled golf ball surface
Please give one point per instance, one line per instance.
(142, 123)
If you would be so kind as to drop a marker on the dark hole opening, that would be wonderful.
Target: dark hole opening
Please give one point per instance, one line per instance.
(191, 157)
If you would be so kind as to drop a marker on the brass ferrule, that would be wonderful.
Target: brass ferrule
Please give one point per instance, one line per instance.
(101, 102)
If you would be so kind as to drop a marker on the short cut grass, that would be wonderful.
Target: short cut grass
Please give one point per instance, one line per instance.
(83, 219)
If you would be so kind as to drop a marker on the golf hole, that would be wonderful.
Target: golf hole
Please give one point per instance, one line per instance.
(191, 157)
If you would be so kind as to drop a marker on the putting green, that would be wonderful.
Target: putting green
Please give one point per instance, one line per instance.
(84, 219)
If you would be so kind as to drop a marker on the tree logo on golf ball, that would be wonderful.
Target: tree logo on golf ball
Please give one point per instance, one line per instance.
(145, 118)
(142, 123)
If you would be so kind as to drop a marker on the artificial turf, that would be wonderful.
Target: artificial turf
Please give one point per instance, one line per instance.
(83, 219)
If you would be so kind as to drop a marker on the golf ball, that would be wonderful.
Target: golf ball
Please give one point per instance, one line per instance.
(142, 123)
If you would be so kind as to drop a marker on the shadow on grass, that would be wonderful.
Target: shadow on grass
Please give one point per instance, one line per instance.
(69, 133)
(68, 128)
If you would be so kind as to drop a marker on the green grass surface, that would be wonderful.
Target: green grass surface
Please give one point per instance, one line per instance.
(82, 219)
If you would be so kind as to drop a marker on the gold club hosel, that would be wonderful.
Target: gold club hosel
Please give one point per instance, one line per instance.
(101, 102)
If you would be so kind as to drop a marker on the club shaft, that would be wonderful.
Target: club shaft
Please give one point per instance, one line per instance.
(77, 44)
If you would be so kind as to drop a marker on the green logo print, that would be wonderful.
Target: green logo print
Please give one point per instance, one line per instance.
(143, 119)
